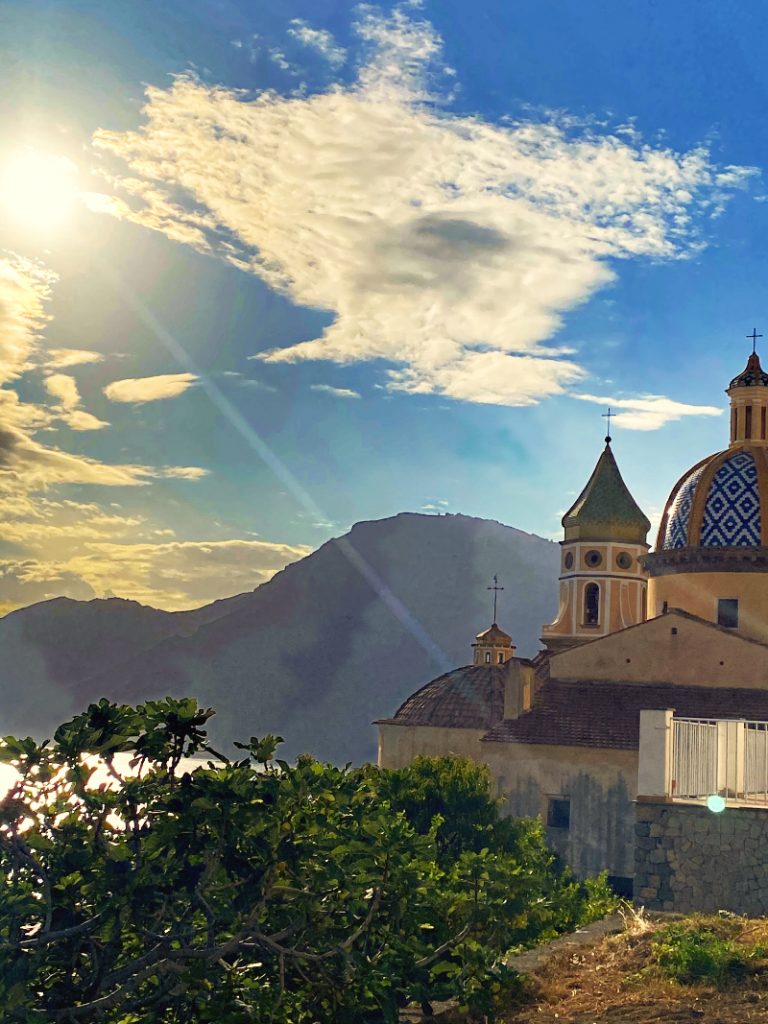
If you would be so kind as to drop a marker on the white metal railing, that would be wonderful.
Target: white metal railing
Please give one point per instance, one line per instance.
(719, 757)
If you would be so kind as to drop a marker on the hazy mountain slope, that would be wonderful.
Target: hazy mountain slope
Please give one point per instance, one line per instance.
(324, 648)
(50, 647)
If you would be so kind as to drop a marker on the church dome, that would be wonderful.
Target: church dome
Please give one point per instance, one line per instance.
(711, 554)
(721, 502)
(471, 697)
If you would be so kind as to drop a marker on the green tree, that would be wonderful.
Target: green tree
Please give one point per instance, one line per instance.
(246, 891)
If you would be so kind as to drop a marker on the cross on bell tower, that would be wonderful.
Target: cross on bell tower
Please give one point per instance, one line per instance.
(496, 589)
(607, 416)
(753, 338)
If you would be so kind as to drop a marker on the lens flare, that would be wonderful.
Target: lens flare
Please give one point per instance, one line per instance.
(38, 190)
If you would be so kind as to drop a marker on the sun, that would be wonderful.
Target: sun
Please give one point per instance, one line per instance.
(38, 190)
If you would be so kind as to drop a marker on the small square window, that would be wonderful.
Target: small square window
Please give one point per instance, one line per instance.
(559, 813)
(728, 612)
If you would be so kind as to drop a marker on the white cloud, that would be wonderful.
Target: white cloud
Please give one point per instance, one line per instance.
(449, 247)
(182, 472)
(63, 387)
(63, 358)
(318, 39)
(649, 412)
(24, 288)
(78, 419)
(180, 574)
(149, 389)
(337, 392)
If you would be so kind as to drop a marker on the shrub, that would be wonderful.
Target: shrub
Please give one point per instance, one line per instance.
(690, 951)
(254, 890)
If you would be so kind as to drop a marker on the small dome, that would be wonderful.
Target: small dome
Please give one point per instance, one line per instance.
(466, 698)
(605, 510)
(720, 502)
(494, 636)
(751, 376)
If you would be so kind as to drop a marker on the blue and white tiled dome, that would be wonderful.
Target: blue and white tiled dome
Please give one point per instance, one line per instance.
(721, 502)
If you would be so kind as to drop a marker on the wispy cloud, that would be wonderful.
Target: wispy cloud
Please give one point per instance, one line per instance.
(175, 575)
(318, 39)
(64, 388)
(337, 392)
(649, 412)
(449, 247)
(25, 286)
(63, 358)
(110, 552)
(138, 390)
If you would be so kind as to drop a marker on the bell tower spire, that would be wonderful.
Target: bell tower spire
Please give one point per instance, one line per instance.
(602, 581)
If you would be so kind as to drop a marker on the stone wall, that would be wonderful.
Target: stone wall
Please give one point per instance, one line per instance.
(687, 858)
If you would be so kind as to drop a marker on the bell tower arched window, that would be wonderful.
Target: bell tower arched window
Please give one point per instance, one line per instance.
(591, 604)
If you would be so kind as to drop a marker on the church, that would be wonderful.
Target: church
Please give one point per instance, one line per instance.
(683, 627)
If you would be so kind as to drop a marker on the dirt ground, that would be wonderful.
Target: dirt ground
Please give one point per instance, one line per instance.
(615, 982)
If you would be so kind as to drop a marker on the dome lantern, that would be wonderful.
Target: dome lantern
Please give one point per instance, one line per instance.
(493, 647)
(748, 393)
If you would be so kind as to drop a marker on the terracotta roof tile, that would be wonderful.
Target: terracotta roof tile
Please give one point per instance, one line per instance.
(607, 715)
(466, 698)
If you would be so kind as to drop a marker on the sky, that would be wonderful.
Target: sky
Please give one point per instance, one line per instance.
(268, 270)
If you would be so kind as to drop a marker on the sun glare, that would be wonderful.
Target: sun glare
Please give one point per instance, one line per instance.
(38, 190)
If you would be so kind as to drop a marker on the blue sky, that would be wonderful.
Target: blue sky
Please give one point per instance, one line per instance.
(267, 270)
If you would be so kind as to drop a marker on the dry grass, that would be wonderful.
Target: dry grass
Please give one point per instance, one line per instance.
(617, 982)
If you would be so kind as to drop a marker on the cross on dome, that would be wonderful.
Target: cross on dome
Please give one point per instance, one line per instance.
(753, 338)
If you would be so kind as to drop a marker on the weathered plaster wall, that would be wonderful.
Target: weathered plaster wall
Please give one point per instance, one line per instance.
(600, 785)
(687, 858)
(671, 648)
(400, 744)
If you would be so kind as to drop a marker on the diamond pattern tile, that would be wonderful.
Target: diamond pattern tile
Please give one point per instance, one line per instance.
(676, 535)
(732, 511)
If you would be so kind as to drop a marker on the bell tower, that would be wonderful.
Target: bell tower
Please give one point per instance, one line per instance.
(602, 581)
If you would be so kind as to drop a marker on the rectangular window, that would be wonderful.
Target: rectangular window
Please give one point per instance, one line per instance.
(559, 813)
(487, 657)
(733, 424)
(728, 612)
(762, 423)
(501, 659)
(748, 431)
(621, 885)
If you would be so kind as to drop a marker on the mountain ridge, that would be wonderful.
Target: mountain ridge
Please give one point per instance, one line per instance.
(327, 645)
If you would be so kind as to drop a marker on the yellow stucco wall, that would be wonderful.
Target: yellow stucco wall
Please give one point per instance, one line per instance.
(622, 590)
(671, 649)
(698, 593)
